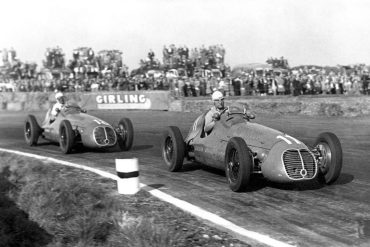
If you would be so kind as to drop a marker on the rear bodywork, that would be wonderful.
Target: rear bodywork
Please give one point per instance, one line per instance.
(278, 156)
(91, 131)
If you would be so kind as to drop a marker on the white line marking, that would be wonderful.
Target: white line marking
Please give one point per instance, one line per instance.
(285, 139)
(291, 137)
(192, 209)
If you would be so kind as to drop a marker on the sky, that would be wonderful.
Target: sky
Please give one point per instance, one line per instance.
(320, 32)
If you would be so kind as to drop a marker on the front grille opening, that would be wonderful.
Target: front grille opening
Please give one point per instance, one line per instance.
(111, 135)
(299, 164)
(105, 136)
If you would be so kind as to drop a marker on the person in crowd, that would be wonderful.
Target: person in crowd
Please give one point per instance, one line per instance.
(214, 114)
(237, 82)
(151, 55)
(365, 82)
(202, 86)
(296, 86)
(165, 55)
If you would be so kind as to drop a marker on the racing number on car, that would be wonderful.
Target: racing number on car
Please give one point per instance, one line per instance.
(100, 122)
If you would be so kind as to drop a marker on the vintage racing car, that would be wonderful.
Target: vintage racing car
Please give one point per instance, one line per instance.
(242, 148)
(74, 126)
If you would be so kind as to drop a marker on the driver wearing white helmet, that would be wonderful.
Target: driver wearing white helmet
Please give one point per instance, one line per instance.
(214, 114)
(57, 107)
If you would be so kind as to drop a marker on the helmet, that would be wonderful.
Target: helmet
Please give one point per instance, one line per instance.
(217, 95)
(58, 95)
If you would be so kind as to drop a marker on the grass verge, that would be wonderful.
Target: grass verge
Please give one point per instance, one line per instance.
(53, 205)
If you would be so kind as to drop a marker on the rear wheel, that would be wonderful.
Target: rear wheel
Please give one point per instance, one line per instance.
(66, 137)
(32, 130)
(330, 157)
(173, 149)
(125, 134)
(238, 164)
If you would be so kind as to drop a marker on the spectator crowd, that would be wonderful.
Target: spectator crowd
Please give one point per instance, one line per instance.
(189, 72)
(301, 82)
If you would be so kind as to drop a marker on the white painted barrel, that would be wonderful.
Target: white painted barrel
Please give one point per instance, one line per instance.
(128, 176)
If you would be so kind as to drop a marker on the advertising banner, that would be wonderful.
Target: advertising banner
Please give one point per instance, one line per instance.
(136, 100)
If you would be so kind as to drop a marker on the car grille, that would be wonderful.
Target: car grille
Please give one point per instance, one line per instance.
(299, 164)
(104, 136)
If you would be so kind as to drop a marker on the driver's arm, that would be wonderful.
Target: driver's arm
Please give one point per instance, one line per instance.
(55, 110)
(210, 121)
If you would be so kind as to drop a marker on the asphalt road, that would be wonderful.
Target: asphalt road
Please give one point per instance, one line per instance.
(303, 215)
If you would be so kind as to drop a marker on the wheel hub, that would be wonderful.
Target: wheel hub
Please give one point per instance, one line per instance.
(233, 166)
(169, 148)
(122, 131)
(28, 131)
(324, 158)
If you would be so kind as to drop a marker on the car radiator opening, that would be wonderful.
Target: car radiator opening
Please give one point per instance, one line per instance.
(299, 164)
(104, 136)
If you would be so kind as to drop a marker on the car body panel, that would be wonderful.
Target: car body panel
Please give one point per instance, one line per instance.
(267, 145)
(84, 125)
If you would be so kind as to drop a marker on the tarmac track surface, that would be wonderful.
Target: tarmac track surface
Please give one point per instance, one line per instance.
(303, 215)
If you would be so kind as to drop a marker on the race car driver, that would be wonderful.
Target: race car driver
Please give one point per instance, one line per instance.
(214, 114)
(57, 107)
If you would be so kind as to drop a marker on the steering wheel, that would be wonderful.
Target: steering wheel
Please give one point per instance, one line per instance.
(245, 114)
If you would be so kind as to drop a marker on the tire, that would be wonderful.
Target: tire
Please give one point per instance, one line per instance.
(126, 134)
(32, 130)
(66, 137)
(238, 164)
(173, 149)
(330, 166)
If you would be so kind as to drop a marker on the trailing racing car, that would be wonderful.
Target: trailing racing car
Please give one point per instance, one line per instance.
(242, 148)
(74, 126)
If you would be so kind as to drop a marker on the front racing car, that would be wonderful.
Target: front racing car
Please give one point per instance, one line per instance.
(243, 148)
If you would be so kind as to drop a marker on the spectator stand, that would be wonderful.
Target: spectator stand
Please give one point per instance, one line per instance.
(84, 63)
(199, 70)
(185, 72)
(111, 64)
(13, 68)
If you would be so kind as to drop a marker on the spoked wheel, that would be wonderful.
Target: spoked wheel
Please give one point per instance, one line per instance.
(32, 130)
(233, 165)
(125, 134)
(173, 149)
(66, 137)
(238, 164)
(329, 157)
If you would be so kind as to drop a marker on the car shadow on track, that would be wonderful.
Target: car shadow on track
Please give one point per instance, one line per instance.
(344, 178)
(115, 149)
(46, 143)
(314, 184)
(191, 166)
(258, 182)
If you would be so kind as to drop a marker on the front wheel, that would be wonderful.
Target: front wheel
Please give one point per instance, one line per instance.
(173, 149)
(66, 137)
(32, 130)
(329, 157)
(125, 134)
(238, 164)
